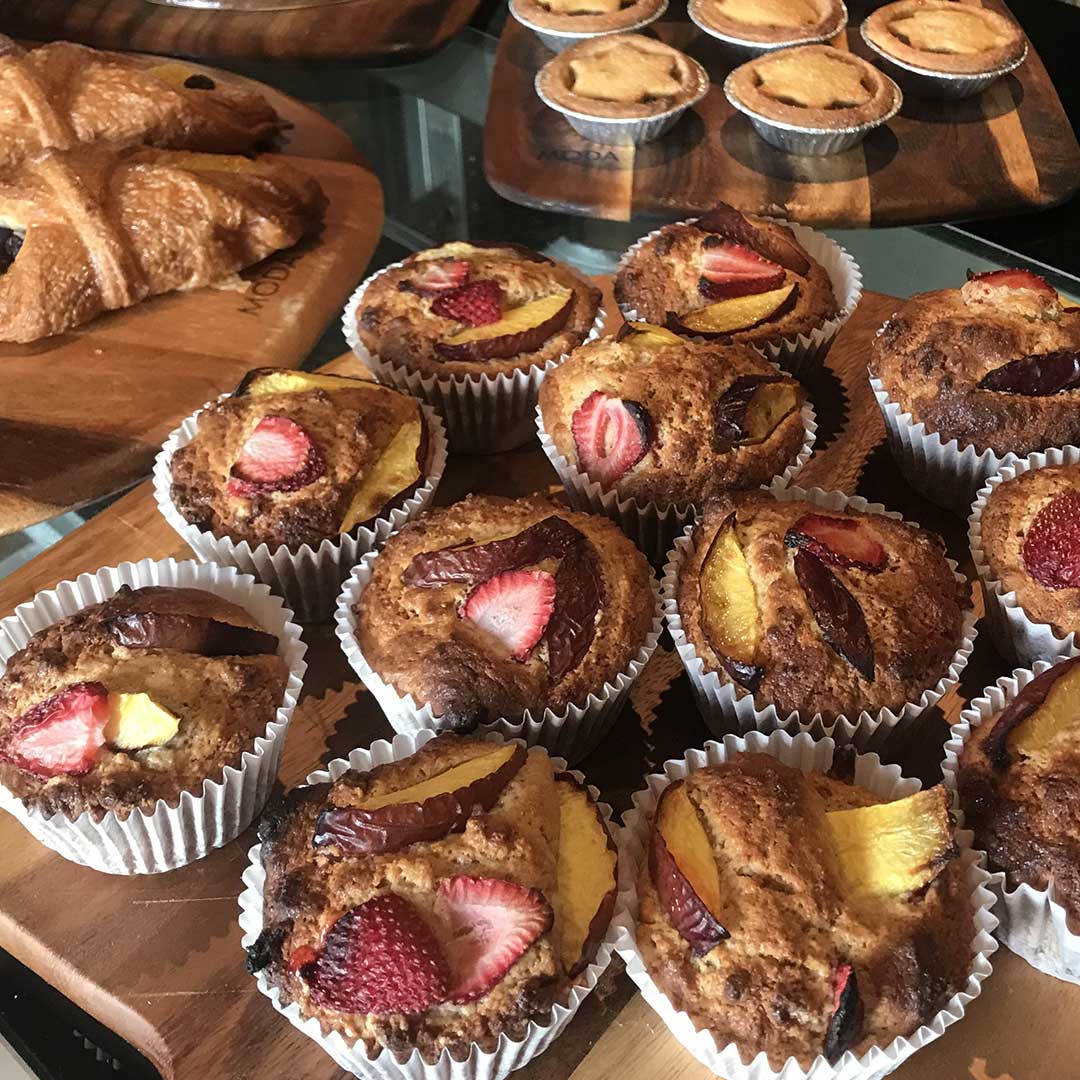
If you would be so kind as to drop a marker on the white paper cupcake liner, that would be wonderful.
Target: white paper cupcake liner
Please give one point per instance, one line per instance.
(572, 733)
(941, 471)
(724, 709)
(1016, 636)
(801, 352)
(309, 578)
(650, 525)
(1032, 923)
(170, 836)
(484, 414)
(480, 1064)
(809, 755)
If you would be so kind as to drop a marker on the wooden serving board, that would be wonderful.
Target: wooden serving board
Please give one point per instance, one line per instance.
(364, 29)
(1009, 149)
(158, 959)
(83, 414)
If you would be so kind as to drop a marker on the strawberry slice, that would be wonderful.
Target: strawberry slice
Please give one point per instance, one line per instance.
(1020, 291)
(491, 925)
(278, 455)
(611, 435)
(379, 958)
(729, 269)
(515, 607)
(60, 736)
(1052, 546)
(839, 541)
(1013, 279)
(441, 276)
(476, 304)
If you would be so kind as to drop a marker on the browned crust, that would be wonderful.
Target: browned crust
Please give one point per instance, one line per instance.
(629, 14)
(832, 21)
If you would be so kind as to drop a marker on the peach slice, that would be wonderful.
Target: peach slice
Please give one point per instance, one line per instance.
(427, 810)
(137, 721)
(737, 313)
(521, 329)
(684, 872)
(646, 335)
(587, 875)
(893, 848)
(1047, 707)
(729, 611)
(262, 381)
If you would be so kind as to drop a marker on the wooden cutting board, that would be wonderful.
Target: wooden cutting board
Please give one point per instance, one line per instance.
(158, 959)
(1009, 149)
(366, 29)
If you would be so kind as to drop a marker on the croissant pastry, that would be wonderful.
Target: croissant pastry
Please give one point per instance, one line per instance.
(61, 95)
(94, 229)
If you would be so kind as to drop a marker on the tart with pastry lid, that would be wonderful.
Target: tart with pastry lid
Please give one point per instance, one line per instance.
(561, 23)
(752, 27)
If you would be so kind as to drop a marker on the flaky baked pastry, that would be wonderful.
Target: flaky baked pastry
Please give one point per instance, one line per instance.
(95, 229)
(62, 94)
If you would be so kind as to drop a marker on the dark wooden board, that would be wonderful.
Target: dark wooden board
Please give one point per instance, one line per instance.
(366, 29)
(1009, 149)
(158, 959)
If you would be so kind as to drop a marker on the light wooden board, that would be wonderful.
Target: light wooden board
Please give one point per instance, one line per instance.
(1009, 149)
(366, 29)
(83, 414)
(159, 960)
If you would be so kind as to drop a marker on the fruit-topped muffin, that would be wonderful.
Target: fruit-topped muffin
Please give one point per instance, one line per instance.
(440, 900)
(726, 276)
(994, 364)
(800, 915)
(817, 610)
(475, 309)
(135, 699)
(664, 420)
(493, 607)
(1018, 779)
(1030, 543)
(295, 457)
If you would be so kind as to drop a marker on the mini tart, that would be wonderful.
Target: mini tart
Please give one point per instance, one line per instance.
(813, 88)
(396, 321)
(625, 76)
(913, 607)
(772, 985)
(587, 16)
(368, 446)
(770, 23)
(943, 36)
(1007, 519)
(934, 352)
(417, 637)
(662, 275)
(518, 835)
(675, 391)
(202, 660)
(1022, 806)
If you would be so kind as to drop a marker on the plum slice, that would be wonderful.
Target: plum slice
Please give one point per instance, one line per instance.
(840, 541)
(469, 563)
(579, 592)
(750, 410)
(188, 633)
(1037, 375)
(521, 329)
(611, 435)
(11, 243)
(725, 317)
(1051, 548)
(839, 616)
(646, 335)
(847, 1015)
(427, 810)
(726, 221)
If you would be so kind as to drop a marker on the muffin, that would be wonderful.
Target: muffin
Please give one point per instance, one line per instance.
(560, 23)
(814, 608)
(437, 902)
(800, 915)
(493, 608)
(728, 276)
(622, 422)
(134, 700)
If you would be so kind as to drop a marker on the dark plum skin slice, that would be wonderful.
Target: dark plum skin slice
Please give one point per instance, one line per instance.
(691, 918)
(551, 537)
(578, 595)
(838, 614)
(198, 81)
(1038, 375)
(10, 245)
(728, 222)
(188, 633)
(729, 412)
(847, 1016)
(839, 541)
(1020, 708)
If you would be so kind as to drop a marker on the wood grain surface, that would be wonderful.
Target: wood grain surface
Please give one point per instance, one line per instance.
(158, 959)
(1009, 149)
(365, 29)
